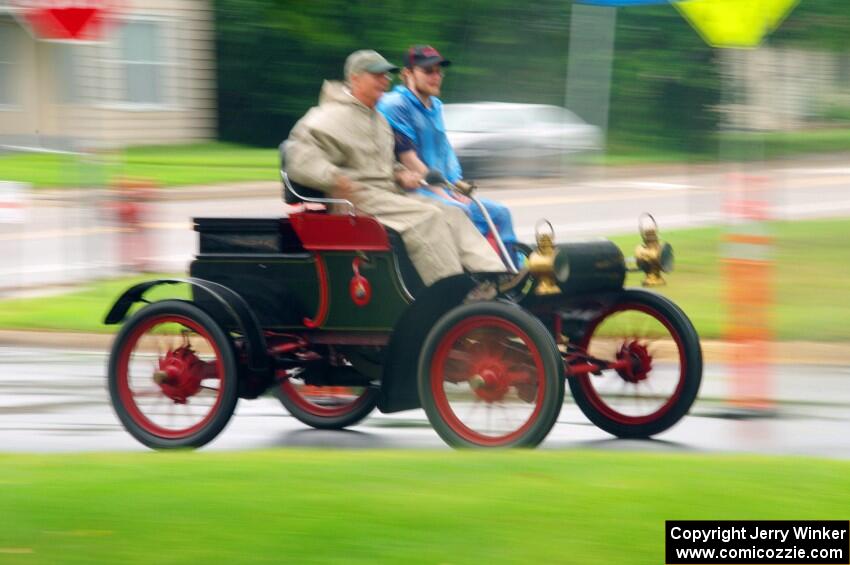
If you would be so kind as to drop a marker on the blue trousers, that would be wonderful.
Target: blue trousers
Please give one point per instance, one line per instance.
(499, 213)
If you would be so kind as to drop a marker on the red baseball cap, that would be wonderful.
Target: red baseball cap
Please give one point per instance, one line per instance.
(424, 56)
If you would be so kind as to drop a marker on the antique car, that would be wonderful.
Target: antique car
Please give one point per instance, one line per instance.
(326, 311)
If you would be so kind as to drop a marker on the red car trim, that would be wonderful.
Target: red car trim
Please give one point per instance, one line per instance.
(359, 288)
(331, 232)
(322, 313)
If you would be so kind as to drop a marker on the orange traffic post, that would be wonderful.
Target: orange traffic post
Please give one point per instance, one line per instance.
(748, 276)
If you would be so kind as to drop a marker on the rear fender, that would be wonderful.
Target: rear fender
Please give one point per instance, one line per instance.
(232, 305)
(398, 385)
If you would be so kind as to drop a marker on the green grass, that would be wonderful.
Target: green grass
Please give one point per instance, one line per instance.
(772, 145)
(648, 151)
(298, 506)
(171, 165)
(727, 147)
(82, 309)
(811, 268)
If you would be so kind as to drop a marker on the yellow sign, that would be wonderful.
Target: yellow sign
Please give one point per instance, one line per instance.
(735, 23)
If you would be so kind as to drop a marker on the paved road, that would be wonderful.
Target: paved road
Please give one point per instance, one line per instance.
(55, 401)
(77, 239)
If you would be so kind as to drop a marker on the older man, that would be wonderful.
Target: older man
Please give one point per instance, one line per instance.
(345, 147)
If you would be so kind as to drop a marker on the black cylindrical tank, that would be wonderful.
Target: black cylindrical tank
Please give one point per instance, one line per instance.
(584, 266)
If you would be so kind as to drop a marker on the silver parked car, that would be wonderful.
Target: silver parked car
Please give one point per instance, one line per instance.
(495, 139)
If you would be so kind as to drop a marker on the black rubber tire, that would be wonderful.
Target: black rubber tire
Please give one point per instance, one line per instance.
(229, 389)
(690, 378)
(553, 373)
(364, 406)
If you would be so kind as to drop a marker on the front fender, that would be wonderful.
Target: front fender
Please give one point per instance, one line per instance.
(570, 314)
(232, 305)
(398, 385)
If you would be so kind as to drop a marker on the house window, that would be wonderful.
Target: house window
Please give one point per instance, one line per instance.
(7, 64)
(65, 72)
(143, 63)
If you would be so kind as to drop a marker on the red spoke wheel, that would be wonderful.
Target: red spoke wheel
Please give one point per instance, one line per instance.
(658, 371)
(490, 376)
(172, 376)
(327, 407)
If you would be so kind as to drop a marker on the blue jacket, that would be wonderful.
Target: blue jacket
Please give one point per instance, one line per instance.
(423, 127)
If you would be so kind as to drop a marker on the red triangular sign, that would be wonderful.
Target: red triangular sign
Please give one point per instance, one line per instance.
(74, 20)
(69, 22)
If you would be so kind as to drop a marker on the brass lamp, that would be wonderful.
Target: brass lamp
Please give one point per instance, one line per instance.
(653, 257)
(541, 262)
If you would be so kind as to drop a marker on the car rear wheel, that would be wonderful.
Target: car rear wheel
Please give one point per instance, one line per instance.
(326, 407)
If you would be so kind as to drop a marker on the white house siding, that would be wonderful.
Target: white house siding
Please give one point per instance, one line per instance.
(781, 89)
(19, 108)
(101, 115)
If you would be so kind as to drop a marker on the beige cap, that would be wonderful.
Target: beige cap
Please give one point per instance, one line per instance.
(367, 61)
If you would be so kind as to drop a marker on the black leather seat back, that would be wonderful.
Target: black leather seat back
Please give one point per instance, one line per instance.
(288, 196)
(409, 275)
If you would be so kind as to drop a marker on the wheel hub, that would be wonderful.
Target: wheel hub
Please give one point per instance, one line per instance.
(639, 362)
(180, 374)
(489, 382)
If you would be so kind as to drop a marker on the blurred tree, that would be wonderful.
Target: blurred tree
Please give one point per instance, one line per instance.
(665, 87)
(818, 24)
(274, 54)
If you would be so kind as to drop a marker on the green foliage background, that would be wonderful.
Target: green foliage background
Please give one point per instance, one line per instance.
(274, 54)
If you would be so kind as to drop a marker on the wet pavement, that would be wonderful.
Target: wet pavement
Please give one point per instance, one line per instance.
(56, 401)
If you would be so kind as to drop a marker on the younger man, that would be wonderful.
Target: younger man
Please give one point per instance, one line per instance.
(416, 115)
